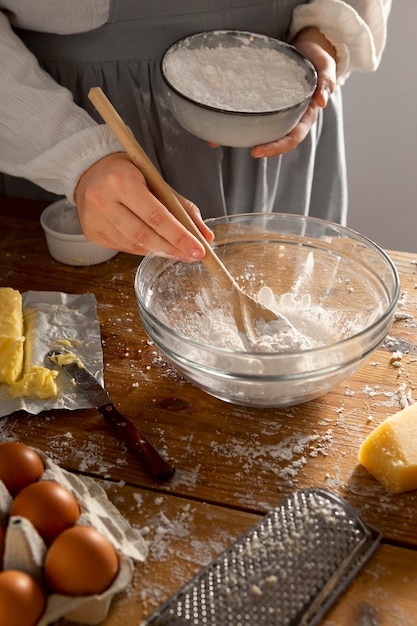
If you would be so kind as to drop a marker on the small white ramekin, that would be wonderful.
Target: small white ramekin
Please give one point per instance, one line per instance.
(65, 239)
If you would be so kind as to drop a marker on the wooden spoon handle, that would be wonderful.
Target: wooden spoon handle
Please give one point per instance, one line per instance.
(158, 185)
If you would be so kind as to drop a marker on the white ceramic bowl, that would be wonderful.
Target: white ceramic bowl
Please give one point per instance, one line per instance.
(65, 239)
(335, 285)
(242, 98)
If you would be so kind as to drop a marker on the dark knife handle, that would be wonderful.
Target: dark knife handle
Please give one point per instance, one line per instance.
(138, 443)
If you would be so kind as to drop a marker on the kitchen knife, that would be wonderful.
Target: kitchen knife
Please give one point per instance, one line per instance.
(99, 398)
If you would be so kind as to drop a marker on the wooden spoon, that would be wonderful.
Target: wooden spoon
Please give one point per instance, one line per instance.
(245, 308)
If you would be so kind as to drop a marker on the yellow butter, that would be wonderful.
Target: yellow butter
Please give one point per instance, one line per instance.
(11, 335)
(65, 358)
(389, 453)
(38, 381)
(16, 369)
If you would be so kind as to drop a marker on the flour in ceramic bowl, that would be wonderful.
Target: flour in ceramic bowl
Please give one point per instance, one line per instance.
(239, 78)
(64, 219)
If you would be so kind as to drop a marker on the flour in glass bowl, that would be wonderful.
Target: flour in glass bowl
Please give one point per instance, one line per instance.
(312, 325)
(241, 78)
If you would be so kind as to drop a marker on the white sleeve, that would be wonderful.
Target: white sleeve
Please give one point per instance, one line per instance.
(357, 29)
(44, 136)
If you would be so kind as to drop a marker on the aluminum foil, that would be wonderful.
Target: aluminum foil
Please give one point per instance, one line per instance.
(55, 319)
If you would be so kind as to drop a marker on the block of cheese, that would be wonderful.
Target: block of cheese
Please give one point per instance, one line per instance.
(389, 452)
(11, 335)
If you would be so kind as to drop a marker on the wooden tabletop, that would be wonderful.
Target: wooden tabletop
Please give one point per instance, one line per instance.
(233, 464)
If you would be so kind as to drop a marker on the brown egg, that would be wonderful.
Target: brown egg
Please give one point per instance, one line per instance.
(19, 466)
(49, 506)
(2, 540)
(81, 561)
(22, 600)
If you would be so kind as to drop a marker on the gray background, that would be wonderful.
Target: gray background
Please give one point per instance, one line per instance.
(381, 139)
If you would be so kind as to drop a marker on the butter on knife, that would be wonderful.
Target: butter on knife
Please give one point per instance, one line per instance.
(64, 358)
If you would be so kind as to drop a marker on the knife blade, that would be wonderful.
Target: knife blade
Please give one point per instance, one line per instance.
(99, 398)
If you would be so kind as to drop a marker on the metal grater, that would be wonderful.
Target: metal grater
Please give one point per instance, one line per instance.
(287, 570)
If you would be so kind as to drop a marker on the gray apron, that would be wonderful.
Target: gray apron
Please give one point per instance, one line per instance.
(123, 58)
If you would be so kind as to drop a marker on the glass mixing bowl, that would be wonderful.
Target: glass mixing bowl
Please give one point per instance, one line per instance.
(338, 288)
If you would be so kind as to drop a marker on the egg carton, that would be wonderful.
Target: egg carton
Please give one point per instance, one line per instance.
(25, 549)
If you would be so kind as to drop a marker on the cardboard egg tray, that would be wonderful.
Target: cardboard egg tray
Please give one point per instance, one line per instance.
(25, 550)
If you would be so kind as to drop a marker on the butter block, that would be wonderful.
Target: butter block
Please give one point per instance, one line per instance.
(11, 335)
(389, 452)
(37, 381)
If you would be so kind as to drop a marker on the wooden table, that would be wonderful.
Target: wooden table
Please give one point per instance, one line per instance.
(233, 463)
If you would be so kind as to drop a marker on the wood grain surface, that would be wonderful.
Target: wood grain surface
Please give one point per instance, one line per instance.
(232, 463)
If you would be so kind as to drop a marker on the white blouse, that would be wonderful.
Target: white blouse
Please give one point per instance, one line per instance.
(46, 138)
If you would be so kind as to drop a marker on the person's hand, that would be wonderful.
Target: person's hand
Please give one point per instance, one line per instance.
(313, 45)
(117, 210)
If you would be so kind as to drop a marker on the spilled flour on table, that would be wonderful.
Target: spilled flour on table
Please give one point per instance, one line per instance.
(284, 459)
(165, 530)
